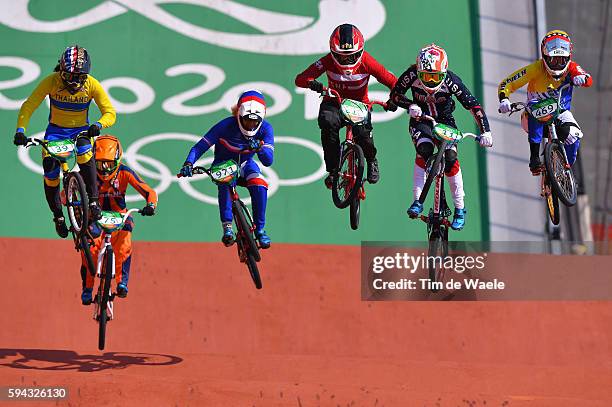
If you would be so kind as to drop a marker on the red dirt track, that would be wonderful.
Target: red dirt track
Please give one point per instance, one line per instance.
(195, 332)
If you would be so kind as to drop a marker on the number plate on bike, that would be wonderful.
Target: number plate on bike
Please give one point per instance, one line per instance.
(543, 110)
(447, 133)
(61, 148)
(354, 111)
(224, 172)
(111, 220)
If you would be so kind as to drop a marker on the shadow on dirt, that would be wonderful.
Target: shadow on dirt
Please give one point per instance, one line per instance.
(60, 360)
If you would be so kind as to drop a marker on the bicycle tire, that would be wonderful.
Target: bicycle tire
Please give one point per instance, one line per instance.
(438, 247)
(244, 229)
(254, 271)
(355, 151)
(105, 283)
(355, 210)
(78, 215)
(84, 246)
(561, 179)
(431, 174)
(552, 205)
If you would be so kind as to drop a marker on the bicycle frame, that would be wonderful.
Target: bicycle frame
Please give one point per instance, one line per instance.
(107, 248)
(349, 135)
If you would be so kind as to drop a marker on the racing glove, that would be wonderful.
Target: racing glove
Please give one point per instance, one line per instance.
(187, 170)
(148, 210)
(486, 140)
(504, 106)
(94, 130)
(391, 107)
(579, 80)
(316, 86)
(255, 145)
(415, 111)
(20, 139)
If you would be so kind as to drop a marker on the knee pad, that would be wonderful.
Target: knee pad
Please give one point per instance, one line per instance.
(425, 148)
(84, 150)
(450, 161)
(257, 182)
(51, 171)
(569, 133)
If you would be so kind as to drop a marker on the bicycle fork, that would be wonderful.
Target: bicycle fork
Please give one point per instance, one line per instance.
(109, 303)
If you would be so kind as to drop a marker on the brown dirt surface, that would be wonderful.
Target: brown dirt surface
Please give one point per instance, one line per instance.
(195, 332)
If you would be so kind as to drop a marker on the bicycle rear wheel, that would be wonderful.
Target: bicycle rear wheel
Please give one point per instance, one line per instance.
(77, 201)
(437, 252)
(254, 271)
(84, 246)
(244, 223)
(104, 295)
(355, 210)
(552, 204)
(560, 174)
(350, 176)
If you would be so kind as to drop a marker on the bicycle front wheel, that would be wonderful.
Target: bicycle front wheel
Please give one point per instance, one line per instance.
(560, 174)
(104, 296)
(254, 271)
(244, 223)
(355, 210)
(77, 201)
(350, 176)
(437, 252)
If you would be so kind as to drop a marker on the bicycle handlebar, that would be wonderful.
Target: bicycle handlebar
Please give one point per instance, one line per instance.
(334, 94)
(196, 171)
(434, 122)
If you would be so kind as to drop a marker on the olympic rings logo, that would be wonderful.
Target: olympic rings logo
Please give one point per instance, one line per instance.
(165, 176)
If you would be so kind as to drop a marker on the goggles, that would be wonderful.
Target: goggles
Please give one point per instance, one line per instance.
(347, 59)
(557, 47)
(74, 78)
(106, 167)
(432, 78)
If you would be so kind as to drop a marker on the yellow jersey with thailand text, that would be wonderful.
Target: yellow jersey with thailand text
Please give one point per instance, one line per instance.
(540, 84)
(67, 109)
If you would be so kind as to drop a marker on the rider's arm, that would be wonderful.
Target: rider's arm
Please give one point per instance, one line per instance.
(141, 186)
(311, 73)
(378, 71)
(31, 104)
(104, 104)
(266, 154)
(210, 138)
(517, 80)
(577, 70)
(405, 81)
(467, 100)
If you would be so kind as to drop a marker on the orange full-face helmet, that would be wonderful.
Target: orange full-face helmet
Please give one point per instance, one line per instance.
(108, 154)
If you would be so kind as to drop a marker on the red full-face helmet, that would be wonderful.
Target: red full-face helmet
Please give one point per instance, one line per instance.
(346, 47)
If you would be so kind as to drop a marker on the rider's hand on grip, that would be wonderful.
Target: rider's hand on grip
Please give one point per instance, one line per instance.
(20, 139)
(148, 210)
(485, 139)
(390, 106)
(316, 86)
(255, 145)
(93, 130)
(505, 106)
(187, 169)
(415, 111)
(579, 80)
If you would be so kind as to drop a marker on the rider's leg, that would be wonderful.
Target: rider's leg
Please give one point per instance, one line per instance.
(421, 133)
(452, 170)
(535, 134)
(258, 189)
(86, 295)
(122, 247)
(365, 139)
(87, 168)
(330, 124)
(51, 185)
(225, 212)
(570, 134)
